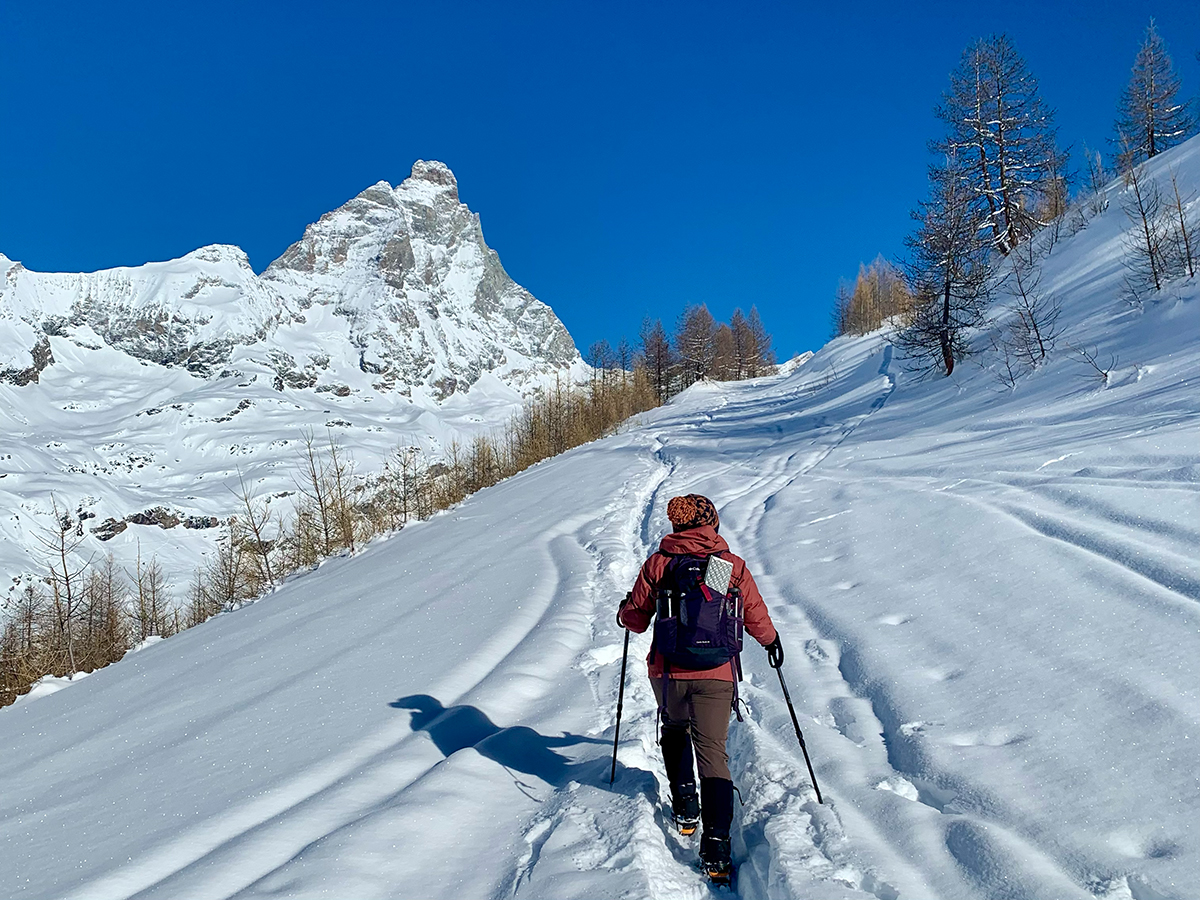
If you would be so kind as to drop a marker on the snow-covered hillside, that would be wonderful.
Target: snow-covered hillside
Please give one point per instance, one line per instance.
(989, 598)
(121, 391)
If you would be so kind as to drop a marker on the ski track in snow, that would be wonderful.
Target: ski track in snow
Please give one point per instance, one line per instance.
(221, 857)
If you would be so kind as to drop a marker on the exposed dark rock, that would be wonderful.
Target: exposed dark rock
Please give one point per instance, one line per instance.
(198, 522)
(109, 529)
(159, 515)
(42, 357)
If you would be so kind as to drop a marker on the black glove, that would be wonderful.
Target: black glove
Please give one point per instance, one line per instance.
(775, 652)
(621, 609)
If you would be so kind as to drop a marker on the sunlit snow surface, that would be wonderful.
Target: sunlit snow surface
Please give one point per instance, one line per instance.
(989, 598)
(104, 433)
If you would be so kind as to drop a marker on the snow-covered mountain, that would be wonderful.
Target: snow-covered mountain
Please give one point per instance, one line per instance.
(426, 303)
(391, 321)
(989, 597)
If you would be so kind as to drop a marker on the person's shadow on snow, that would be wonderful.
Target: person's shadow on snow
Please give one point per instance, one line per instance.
(518, 748)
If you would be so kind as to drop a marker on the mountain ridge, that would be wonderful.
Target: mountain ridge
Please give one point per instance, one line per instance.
(394, 261)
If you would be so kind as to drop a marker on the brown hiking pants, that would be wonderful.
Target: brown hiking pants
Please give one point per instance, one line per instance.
(700, 707)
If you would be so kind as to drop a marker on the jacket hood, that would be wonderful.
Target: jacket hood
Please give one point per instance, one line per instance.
(697, 541)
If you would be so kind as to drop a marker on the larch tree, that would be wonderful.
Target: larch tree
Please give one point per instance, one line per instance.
(762, 357)
(745, 345)
(842, 308)
(947, 268)
(624, 357)
(879, 294)
(725, 364)
(1033, 328)
(61, 544)
(1184, 233)
(1151, 117)
(694, 344)
(1146, 244)
(603, 360)
(658, 357)
(1097, 181)
(1003, 136)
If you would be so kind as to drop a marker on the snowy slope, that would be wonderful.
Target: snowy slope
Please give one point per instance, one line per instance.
(990, 600)
(391, 322)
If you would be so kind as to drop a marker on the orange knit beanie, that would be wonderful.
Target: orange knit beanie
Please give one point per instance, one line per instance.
(692, 511)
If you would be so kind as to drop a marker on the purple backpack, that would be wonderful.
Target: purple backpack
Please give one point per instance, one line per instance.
(700, 616)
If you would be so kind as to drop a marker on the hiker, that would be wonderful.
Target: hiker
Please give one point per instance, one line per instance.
(695, 701)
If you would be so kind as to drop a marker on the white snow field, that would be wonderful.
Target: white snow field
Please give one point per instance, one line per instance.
(989, 599)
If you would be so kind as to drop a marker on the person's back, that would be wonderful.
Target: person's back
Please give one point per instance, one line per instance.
(695, 703)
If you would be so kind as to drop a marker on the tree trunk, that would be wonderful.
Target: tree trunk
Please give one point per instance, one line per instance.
(947, 348)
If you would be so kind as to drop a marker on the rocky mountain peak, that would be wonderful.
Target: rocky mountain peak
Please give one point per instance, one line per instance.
(426, 300)
(220, 253)
(436, 173)
(397, 282)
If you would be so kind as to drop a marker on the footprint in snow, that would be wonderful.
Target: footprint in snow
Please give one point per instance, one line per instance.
(900, 786)
(993, 737)
(814, 651)
(1141, 846)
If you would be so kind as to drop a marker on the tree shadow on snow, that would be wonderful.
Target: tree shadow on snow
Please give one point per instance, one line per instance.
(518, 748)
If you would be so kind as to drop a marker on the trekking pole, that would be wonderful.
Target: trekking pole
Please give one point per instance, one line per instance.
(620, 701)
(800, 737)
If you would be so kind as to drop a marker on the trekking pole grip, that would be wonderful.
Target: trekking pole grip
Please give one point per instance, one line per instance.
(799, 735)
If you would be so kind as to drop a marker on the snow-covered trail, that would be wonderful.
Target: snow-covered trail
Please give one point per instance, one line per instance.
(446, 696)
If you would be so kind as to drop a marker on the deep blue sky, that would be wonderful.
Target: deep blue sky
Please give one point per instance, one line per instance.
(626, 159)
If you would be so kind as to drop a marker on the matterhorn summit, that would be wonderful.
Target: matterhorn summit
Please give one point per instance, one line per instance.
(390, 322)
(426, 301)
(402, 275)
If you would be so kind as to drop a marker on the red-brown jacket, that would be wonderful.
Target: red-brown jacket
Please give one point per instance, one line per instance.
(637, 613)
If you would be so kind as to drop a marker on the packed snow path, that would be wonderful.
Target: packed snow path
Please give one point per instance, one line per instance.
(989, 598)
